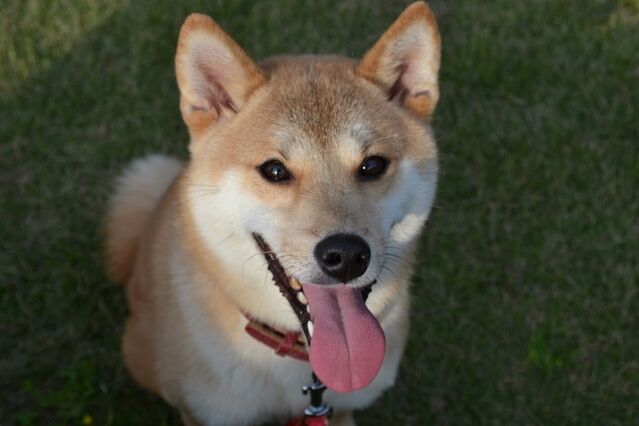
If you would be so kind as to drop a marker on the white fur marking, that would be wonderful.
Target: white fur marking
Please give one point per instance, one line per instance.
(409, 204)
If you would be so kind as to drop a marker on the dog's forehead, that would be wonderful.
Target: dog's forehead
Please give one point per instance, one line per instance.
(321, 107)
(348, 140)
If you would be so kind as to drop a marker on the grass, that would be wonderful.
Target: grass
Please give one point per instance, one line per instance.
(526, 303)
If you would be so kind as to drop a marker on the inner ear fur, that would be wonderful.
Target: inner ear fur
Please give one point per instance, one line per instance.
(215, 76)
(405, 61)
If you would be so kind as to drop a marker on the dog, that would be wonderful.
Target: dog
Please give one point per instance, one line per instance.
(283, 246)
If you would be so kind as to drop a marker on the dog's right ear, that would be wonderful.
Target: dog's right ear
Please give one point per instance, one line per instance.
(215, 76)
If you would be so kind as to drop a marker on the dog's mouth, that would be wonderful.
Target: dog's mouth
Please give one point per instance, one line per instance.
(346, 342)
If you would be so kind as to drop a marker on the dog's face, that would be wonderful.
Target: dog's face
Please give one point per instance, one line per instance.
(331, 161)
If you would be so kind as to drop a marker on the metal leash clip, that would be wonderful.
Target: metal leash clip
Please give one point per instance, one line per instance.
(317, 408)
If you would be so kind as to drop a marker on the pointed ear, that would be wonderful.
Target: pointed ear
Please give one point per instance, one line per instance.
(405, 60)
(215, 76)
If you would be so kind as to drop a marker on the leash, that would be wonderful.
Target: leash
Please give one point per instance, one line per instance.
(317, 413)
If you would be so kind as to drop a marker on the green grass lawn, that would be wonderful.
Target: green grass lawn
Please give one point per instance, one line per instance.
(526, 307)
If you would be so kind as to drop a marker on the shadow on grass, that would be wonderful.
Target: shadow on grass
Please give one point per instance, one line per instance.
(66, 133)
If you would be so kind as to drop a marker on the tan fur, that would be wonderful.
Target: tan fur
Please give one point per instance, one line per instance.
(139, 190)
(405, 57)
(229, 67)
(184, 247)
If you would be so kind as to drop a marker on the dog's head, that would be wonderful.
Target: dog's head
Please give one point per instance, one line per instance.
(330, 160)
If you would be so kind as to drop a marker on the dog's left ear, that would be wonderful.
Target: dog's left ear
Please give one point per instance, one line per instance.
(216, 77)
(405, 61)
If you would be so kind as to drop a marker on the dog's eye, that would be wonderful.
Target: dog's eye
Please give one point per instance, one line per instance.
(372, 167)
(274, 171)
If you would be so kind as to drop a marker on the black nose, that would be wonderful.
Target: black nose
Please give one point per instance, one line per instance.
(343, 256)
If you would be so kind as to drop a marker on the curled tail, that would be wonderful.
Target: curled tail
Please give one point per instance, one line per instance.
(137, 193)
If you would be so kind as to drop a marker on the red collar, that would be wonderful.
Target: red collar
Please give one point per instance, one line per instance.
(289, 343)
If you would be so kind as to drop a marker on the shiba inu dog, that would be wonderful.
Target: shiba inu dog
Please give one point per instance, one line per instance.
(291, 227)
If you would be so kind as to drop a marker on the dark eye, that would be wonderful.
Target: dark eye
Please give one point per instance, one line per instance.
(274, 171)
(372, 167)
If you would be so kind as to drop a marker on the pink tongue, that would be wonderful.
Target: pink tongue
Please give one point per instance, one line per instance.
(348, 344)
